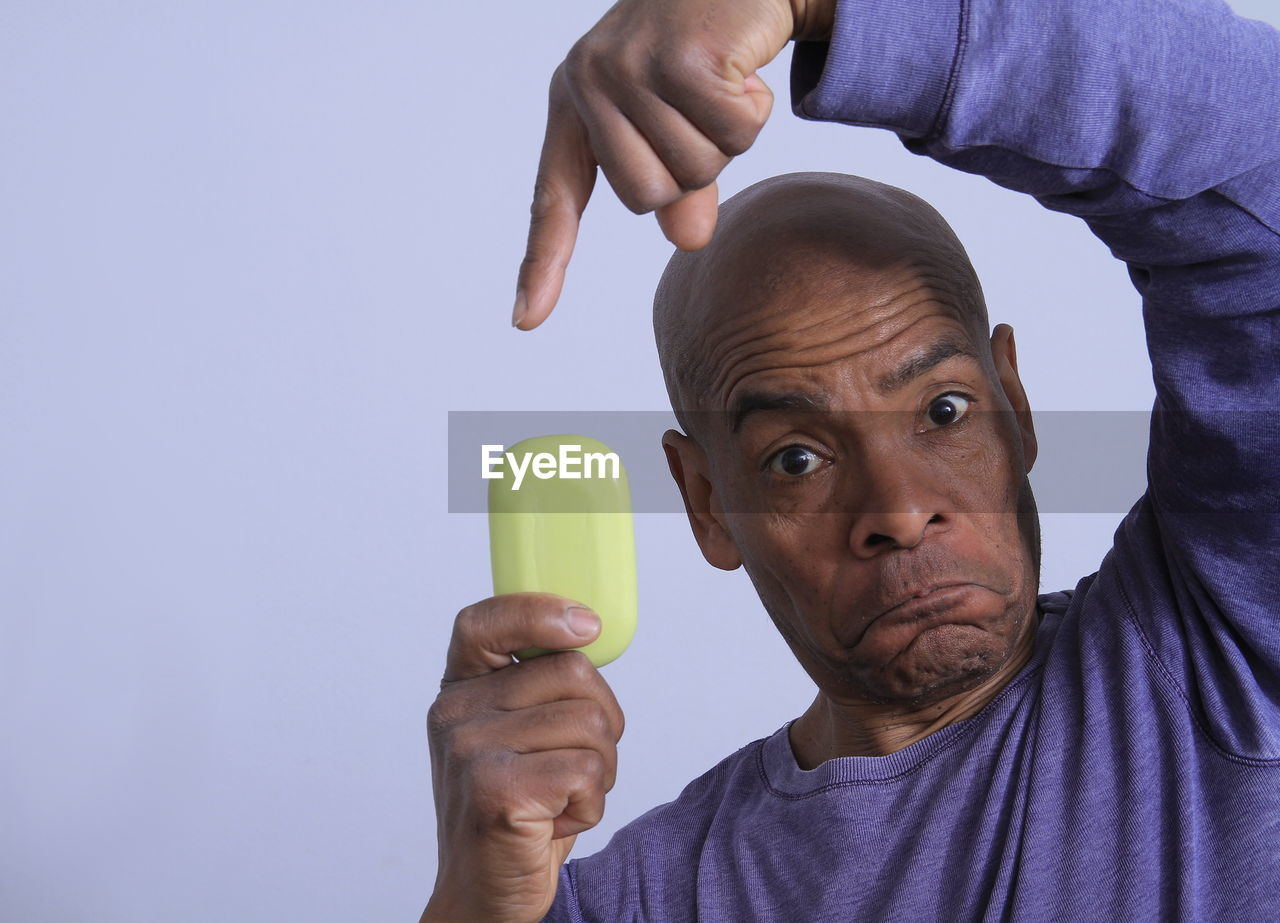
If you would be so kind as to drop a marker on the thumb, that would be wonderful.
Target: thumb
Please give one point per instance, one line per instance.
(689, 222)
(760, 96)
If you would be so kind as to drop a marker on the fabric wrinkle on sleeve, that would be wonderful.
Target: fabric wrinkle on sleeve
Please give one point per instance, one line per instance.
(897, 58)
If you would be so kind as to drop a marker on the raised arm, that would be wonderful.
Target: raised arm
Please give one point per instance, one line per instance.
(1158, 123)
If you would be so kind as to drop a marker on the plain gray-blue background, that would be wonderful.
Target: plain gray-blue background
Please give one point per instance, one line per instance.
(250, 256)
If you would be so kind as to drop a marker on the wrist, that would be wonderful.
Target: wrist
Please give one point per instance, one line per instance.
(440, 910)
(444, 903)
(812, 20)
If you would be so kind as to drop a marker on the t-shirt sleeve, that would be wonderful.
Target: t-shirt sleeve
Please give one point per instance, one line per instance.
(646, 872)
(565, 907)
(1158, 123)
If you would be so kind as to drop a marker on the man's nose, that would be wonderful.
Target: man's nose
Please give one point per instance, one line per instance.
(894, 506)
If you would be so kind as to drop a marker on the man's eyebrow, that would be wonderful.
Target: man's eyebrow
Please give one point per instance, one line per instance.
(913, 367)
(921, 362)
(759, 401)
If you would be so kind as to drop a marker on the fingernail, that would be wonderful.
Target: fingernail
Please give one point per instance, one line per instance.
(519, 311)
(582, 622)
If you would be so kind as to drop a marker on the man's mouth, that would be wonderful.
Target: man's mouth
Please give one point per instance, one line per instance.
(920, 605)
(937, 595)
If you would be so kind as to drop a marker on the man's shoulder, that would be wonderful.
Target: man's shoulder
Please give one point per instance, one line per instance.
(736, 776)
(647, 863)
(681, 825)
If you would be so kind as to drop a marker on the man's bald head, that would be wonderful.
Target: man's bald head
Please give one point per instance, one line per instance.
(798, 239)
(831, 346)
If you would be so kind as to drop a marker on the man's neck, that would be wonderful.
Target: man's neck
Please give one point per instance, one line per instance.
(832, 728)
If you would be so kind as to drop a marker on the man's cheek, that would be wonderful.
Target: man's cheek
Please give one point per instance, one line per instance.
(977, 475)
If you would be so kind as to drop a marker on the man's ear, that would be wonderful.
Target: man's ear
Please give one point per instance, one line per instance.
(688, 464)
(1005, 353)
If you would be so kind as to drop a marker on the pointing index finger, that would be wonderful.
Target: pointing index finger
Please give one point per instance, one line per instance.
(566, 176)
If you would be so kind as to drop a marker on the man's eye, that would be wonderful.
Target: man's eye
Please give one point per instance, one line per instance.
(794, 461)
(947, 409)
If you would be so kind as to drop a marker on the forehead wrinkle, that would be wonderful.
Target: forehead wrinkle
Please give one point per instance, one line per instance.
(848, 357)
(813, 281)
(720, 383)
(728, 354)
(804, 235)
(736, 336)
(720, 355)
(726, 387)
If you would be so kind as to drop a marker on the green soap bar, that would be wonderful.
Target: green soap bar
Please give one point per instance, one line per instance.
(560, 522)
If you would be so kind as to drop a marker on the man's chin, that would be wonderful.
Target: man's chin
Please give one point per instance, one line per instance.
(945, 661)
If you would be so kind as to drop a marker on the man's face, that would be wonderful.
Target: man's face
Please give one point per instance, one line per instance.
(865, 467)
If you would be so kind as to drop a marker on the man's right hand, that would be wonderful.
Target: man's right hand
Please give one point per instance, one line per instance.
(522, 755)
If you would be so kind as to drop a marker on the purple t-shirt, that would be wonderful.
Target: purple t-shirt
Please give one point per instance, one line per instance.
(1131, 770)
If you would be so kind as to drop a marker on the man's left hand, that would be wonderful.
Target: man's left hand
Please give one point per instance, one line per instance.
(661, 95)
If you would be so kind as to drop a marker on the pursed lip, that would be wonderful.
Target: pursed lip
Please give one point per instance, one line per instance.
(930, 593)
(933, 598)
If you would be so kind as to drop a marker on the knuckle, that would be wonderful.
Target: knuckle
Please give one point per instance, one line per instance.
(576, 669)
(682, 67)
(439, 719)
(645, 193)
(737, 139)
(699, 174)
(481, 623)
(601, 721)
(595, 721)
(532, 261)
(736, 132)
(544, 199)
(467, 623)
(589, 768)
(575, 61)
(580, 61)
(467, 744)
(591, 812)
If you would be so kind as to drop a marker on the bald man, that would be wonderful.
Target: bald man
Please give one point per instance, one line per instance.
(857, 438)
(828, 354)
